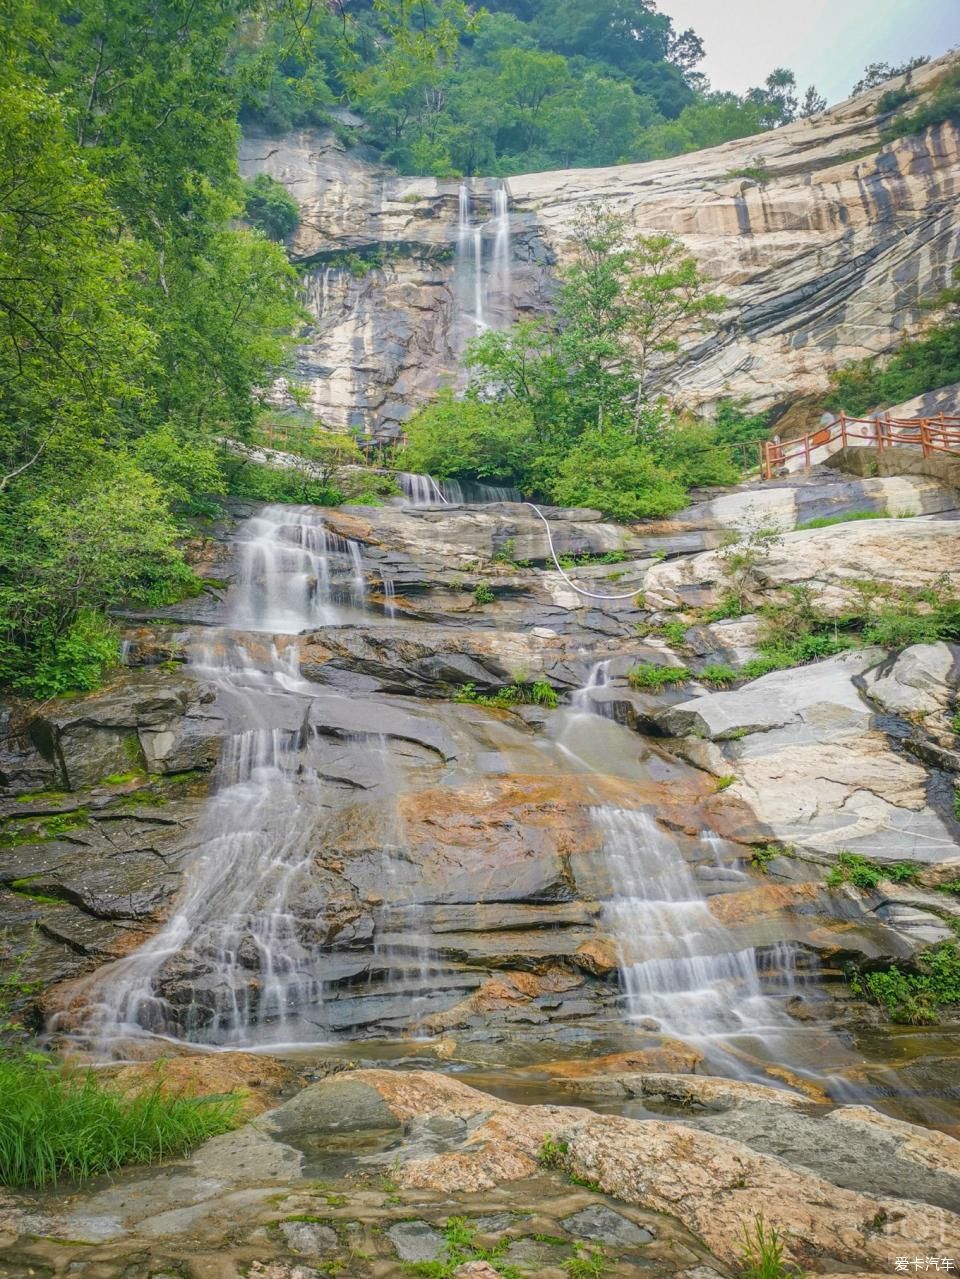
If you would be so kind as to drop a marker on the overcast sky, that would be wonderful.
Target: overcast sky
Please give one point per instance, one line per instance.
(825, 42)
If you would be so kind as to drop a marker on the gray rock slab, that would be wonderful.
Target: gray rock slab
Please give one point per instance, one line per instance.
(310, 1238)
(415, 1241)
(605, 1226)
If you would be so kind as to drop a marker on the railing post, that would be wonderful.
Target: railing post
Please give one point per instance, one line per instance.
(924, 437)
(806, 452)
(843, 429)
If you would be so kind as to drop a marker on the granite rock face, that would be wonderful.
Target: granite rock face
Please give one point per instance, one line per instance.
(824, 240)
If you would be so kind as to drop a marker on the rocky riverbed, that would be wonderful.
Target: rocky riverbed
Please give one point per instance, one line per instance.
(519, 922)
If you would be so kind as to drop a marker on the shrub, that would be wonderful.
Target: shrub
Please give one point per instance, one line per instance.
(675, 633)
(622, 480)
(270, 207)
(262, 483)
(914, 997)
(941, 107)
(763, 854)
(78, 659)
(189, 472)
(55, 1123)
(851, 868)
(647, 675)
(483, 594)
(469, 439)
(718, 674)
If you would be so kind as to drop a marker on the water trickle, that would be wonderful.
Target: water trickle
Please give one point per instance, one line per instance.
(583, 700)
(679, 964)
(293, 571)
(240, 956)
(389, 594)
(485, 279)
(423, 490)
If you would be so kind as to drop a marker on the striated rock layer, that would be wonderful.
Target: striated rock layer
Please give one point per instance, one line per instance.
(824, 240)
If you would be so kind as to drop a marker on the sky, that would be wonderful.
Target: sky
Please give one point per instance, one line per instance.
(825, 42)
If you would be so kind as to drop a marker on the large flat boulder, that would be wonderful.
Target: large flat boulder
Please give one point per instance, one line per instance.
(814, 769)
(712, 1183)
(831, 562)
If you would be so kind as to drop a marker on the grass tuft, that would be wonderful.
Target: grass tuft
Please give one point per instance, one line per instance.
(57, 1123)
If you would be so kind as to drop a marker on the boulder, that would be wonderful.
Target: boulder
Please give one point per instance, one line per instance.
(259, 1081)
(829, 562)
(812, 768)
(784, 506)
(147, 719)
(921, 680)
(712, 1183)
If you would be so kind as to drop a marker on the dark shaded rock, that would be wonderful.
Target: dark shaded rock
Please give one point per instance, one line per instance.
(605, 1226)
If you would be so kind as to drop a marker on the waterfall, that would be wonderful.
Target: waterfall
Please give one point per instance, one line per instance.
(292, 572)
(679, 965)
(502, 283)
(423, 490)
(234, 955)
(389, 594)
(485, 289)
(582, 700)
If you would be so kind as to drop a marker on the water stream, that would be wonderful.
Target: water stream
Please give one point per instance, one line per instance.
(245, 956)
(484, 274)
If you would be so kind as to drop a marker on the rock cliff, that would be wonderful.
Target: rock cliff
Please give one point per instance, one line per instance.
(824, 240)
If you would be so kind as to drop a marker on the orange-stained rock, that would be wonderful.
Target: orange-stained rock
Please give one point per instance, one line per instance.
(762, 901)
(506, 990)
(259, 1080)
(670, 1056)
(712, 1184)
(597, 957)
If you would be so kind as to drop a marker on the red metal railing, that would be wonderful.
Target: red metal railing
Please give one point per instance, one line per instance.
(930, 434)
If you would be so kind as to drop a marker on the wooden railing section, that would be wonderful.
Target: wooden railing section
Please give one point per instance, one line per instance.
(932, 435)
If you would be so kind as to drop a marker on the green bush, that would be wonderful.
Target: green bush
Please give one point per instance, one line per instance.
(647, 675)
(55, 1123)
(914, 997)
(943, 106)
(470, 439)
(263, 483)
(188, 470)
(851, 868)
(621, 480)
(717, 673)
(78, 659)
(270, 207)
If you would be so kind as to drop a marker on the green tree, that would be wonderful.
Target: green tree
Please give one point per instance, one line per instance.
(270, 207)
(73, 348)
(668, 300)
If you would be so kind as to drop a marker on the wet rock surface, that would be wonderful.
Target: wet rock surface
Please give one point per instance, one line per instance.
(464, 1179)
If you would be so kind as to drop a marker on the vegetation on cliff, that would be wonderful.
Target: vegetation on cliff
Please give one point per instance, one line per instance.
(563, 407)
(922, 364)
(139, 320)
(445, 88)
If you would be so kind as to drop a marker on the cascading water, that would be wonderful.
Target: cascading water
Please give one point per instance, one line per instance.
(484, 286)
(423, 490)
(234, 955)
(679, 965)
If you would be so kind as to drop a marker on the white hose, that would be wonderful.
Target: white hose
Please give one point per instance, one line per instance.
(592, 595)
